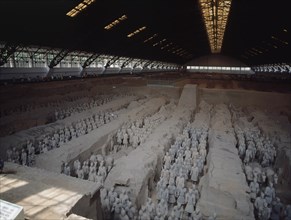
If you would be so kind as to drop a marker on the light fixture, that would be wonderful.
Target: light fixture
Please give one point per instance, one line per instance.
(279, 40)
(136, 31)
(215, 14)
(150, 38)
(159, 42)
(80, 7)
(167, 45)
(115, 22)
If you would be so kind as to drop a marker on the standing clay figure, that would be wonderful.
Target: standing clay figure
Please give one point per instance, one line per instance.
(275, 179)
(103, 194)
(123, 215)
(67, 170)
(112, 195)
(124, 197)
(197, 215)
(257, 171)
(167, 161)
(265, 213)
(162, 208)
(188, 153)
(287, 212)
(180, 180)
(116, 208)
(80, 173)
(85, 168)
(15, 155)
(269, 193)
(255, 188)
(109, 162)
(9, 154)
(143, 214)
(172, 191)
(165, 194)
(249, 173)
(241, 150)
(92, 168)
(119, 137)
(194, 173)
(102, 170)
(178, 211)
(150, 207)
(196, 192)
(63, 167)
(190, 201)
(1, 165)
(92, 175)
(131, 211)
(125, 139)
(248, 156)
(259, 204)
(77, 165)
(277, 208)
(135, 140)
(180, 194)
(172, 215)
(24, 157)
(160, 188)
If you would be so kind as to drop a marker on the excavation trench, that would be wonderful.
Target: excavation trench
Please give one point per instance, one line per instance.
(123, 140)
(261, 166)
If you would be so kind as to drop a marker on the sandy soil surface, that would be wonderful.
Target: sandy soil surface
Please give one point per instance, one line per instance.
(42, 194)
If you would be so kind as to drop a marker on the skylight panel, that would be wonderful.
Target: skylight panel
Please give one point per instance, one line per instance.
(150, 38)
(115, 22)
(79, 8)
(137, 31)
(215, 14)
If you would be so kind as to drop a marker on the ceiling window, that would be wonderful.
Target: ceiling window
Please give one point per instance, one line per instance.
(79, 8)
(215, 15)
(150, 38)
(115, 22)
(137, 31)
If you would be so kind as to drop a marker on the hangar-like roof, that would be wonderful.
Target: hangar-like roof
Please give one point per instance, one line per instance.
(257, 31)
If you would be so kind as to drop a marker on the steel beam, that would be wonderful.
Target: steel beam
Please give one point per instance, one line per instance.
(126, 62)
(6, 52)
(58, 58)
(147, 64)
(90, 60)
(112, 61)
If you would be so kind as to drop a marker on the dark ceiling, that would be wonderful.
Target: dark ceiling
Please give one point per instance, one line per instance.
(258, 31)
